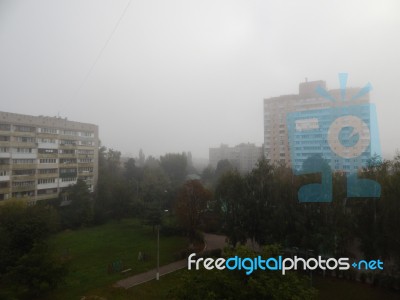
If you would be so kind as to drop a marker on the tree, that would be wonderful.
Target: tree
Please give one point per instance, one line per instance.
(174, 165)
(230, 194)
(223, 167)
(28, 267)
(142, 158)
(226, 284)
(191, 204)
(36, 272)
(79, 211)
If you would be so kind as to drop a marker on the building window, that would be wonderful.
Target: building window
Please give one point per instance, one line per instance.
(67, 151)
(87, 134)
(23, 183)
(5, 127)
(86, 143)
(48, 151)
(85, 160)
(67, 160)
(24, 150)
(48, 141)
(86, 170)
(48, 161)
(68, 179)
(4, 138)
(24, 128)
(68, 142)
(24, 139)
(29, 172)
(23, 161)
(85, 152)
(70, 132)
(48, 130)
(48, 171)
(46, 180)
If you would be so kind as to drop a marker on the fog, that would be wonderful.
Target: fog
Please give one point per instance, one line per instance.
(173, 76)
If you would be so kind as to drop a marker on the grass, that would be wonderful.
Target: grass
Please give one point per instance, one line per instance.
(92, 250)
(148, 291)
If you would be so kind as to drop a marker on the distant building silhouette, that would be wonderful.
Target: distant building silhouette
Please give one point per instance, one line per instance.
(243, 157)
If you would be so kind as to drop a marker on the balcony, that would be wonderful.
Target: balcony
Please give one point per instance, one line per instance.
(49, 175)
(85, 155)
(47, 155)
(23, 177)
(67, 146)
(4, 143)
(4, 190)
(23, 188)
(23, 144)
(83, 165)
(23, 155)
(69, 165)
(23, 166)
(47, 145)
(5, 178)
(48, 185)
(63, 155)
(3, 132)
(84, 174)
(46, 196)
(24, 133)
(46, 135)
(66, 183)
(5, 155)
(47, 166)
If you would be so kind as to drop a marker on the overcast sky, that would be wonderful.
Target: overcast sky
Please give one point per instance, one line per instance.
(188, 75)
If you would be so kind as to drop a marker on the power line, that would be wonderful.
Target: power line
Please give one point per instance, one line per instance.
(102, 50)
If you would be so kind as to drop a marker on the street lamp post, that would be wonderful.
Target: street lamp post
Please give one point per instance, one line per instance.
(158, 253)
(158, 250)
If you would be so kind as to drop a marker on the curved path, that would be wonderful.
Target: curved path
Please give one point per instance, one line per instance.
(212, 241)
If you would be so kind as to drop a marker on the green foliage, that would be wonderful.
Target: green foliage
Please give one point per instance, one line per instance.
(174, 165)
(20, 228)
(190, 205)
(79, 210)
(36, 272)
(27, 266)
(230, 194)
(225, 284)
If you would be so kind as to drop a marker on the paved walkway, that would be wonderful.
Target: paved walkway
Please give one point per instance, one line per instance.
(212, 241)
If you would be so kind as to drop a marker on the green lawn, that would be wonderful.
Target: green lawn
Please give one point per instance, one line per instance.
(91, 250)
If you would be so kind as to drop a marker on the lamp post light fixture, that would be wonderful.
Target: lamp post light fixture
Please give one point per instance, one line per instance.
(158, 253)
(158, 250)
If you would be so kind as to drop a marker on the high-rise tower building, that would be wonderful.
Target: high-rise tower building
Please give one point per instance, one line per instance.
(302, 125)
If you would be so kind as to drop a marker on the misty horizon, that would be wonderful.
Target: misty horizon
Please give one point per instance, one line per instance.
(186, 76)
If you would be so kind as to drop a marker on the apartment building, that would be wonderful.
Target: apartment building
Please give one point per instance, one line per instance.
(41, 156)
(243, 157)
(296, 126)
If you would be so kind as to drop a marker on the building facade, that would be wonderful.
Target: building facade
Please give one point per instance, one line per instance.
(41, 156)
(243, 157)
(297, 127)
